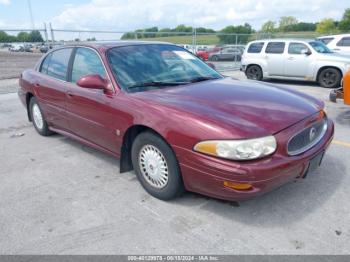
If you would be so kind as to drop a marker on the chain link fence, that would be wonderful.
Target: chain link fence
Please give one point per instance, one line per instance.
(224, 50)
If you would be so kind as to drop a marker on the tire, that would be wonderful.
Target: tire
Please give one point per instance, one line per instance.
(37, 117)
(254, 72)
(214, 58)
(329, 78)
(150, 154)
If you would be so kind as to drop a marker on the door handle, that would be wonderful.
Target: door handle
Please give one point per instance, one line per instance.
(69, 94)
(290, 58)
(37, 85)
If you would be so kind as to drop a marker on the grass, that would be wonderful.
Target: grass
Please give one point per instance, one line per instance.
(186, 39)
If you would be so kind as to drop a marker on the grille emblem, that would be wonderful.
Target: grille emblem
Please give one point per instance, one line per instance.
(312, 133)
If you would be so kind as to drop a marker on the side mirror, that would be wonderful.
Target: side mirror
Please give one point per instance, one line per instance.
(93, 82)
(306, 52)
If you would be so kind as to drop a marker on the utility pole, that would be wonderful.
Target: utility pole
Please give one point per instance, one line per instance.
(46, 36)
(31, 14)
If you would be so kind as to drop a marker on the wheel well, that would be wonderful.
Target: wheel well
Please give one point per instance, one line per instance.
(128, 139)
(28, 97)
(325, 67)
(253, 65)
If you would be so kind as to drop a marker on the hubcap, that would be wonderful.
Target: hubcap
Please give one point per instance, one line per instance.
(38, 118)
(153, 166)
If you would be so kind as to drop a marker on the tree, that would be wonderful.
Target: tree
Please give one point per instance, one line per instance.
(35, 36)
(268, 27)
(228, 36)
(286, 21)
(23, 37)
(344, 24)
(326, 26)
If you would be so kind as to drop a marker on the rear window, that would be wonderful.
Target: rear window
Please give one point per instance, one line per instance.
(255, 47)
(275, 48)
(345, 41)
(58, 63)
(325, 40)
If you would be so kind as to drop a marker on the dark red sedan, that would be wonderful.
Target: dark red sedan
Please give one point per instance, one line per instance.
(174, 120)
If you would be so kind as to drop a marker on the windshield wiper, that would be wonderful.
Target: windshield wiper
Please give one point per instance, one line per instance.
(202, 78)
(157, 83)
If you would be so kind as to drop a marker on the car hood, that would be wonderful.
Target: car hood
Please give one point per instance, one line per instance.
(248, 108)
(336, 57)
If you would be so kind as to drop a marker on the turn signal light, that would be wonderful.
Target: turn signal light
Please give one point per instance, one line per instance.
(237, 186)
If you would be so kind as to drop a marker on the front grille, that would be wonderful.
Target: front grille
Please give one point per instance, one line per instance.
(307, 138)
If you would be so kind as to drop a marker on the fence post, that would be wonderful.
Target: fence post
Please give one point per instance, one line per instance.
(46, 36)
(52, 34)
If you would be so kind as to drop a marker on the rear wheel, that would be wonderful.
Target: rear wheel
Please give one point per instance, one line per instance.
(329, 78)
(214, 58)
(254, 72)
(37, 117)
(156, 166)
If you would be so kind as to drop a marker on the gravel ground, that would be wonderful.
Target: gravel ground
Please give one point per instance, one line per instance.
(58, 196)
(13, 63)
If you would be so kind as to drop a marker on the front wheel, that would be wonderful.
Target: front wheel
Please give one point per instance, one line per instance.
(156, 166)
(254, 72)
(329, 78)
(214, 58)
(37, 117)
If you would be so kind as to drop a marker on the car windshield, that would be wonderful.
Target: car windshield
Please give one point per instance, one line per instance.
(153, 66)
(320, 47)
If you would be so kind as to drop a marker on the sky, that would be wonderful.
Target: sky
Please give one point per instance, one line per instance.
(126, 15)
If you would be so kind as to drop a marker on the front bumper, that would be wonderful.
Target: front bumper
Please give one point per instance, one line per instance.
(206, 175)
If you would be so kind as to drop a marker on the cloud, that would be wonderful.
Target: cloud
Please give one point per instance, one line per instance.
(132, 14)
(5, 2)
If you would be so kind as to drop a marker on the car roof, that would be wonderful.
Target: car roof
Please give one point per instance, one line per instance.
(283, 40)
(110, 44)
(338, 35)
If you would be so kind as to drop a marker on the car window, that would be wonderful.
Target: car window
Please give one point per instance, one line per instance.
(58, 63)
(136, 65)
(325, 40)
(345, 41)
(45, 64)
(320, 47)
(86, 62)
(297, 48)
(275, 48)
(255, 47)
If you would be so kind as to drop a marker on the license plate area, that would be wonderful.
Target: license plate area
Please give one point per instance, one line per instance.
(314, 163)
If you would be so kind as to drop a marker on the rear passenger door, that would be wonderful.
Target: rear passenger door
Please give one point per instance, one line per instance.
(51, 87)
(343, 45)
(88, 110)
(274, 56)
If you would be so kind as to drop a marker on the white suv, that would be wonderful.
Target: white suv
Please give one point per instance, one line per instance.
(294, 60)
(337, 43)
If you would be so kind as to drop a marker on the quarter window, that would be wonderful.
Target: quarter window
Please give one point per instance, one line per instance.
(86, 62)
(275, 48)
(297, 48)
(345, 41)
(45, 64)
(255, 47)
(58, 63)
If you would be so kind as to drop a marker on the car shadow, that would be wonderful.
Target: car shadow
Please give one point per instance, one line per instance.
(286, 205)
(292, 82)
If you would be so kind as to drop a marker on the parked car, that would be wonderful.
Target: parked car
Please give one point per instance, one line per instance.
(337, 43)
(227, 53)
(16, 48)
(174, 120)
(44, 48)
(28, 48)
(204, 54)
(294, 60)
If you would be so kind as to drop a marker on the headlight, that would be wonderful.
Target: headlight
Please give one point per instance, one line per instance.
(238, 149)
